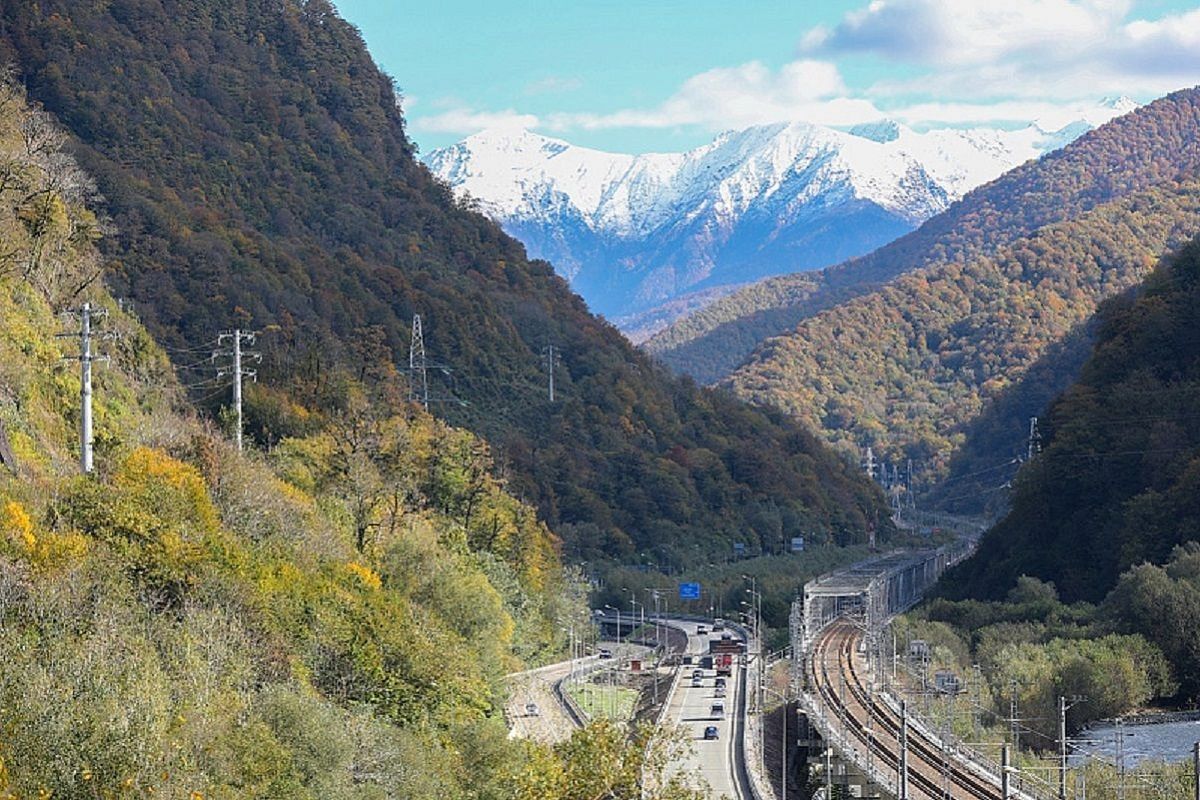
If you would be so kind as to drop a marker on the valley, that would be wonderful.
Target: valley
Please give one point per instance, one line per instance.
(598, 401)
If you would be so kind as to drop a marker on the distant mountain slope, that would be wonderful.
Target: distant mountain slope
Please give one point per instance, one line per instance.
(1152, 146)
(904, 367)
(632, 233)
(978, 476)
(1118, 482)
(255, 161)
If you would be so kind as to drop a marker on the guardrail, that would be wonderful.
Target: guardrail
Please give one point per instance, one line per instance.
(578, 716)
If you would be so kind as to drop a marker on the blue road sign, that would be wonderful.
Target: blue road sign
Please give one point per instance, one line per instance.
(689, 591)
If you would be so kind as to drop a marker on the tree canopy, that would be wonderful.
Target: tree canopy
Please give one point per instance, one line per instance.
(255, 162)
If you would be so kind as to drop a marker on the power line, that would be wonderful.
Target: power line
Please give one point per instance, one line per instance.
(202, 348)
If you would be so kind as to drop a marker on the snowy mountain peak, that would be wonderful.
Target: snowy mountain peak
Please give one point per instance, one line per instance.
(634, 231)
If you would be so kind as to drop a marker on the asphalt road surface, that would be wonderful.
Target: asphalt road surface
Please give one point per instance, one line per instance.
(552, 723)
(691, 708)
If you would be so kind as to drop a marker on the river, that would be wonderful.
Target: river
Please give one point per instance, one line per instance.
(1166, 741)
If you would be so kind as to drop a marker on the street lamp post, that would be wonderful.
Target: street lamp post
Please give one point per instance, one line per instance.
(618, 610)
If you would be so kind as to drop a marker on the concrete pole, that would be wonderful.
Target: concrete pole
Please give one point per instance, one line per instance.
(1196, 769)
(237, 385)
(1062, 748)
(1005, 777)
(829, 771)
(903, 778)
(784, 749)
(85, 389)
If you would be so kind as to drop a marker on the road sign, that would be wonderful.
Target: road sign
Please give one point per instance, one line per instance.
(689, 591)
(797, 544)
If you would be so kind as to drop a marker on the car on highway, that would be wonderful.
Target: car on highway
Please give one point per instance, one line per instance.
(719, 691)
(711, 733)
(717, 710)
(605, 652)
(532, 710)
(720, 683)
(697, 681)
(701, 630)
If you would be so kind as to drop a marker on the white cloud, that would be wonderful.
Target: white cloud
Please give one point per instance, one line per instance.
(733, 97)
(977, 62)
(1020, 48)
(962, 32)
(466, 121)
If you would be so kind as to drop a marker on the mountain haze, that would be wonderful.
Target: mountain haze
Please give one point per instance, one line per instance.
(255, 162)
(633, 233)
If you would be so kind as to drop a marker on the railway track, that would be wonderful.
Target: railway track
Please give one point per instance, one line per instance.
(933, 774)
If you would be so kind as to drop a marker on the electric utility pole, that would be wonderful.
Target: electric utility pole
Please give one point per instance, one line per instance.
(1196, 769)
(417, 392)
(1014, 721)
(551, 359)
(85, 358)
(1034, 445)
(237, 336)
(1064, 705)
(868, 462)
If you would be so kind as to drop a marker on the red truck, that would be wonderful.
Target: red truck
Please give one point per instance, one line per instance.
(724, 663)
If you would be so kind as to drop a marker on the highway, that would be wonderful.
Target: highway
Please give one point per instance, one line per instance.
(837, 672)
(716, 762)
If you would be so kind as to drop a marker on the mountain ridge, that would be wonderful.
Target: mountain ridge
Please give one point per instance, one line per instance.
(255, 161)
(634, 232)
(713, 342)
(1117, 475)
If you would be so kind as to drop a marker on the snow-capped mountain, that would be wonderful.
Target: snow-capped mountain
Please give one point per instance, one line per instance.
(634, 232)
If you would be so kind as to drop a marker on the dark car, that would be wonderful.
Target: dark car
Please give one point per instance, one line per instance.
(711, 732)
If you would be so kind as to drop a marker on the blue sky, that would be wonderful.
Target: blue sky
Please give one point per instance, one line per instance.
(668, 75)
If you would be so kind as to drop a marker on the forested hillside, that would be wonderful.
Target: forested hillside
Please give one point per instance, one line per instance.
(191, 622)
(905, 367)
(255, 163)
(1118, 483)
(1153, 146)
